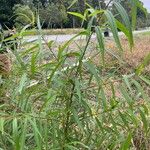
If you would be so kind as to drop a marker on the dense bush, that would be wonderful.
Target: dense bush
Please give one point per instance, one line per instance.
(58, 98)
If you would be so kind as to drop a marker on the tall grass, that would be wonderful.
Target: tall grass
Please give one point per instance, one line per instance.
(59, 99)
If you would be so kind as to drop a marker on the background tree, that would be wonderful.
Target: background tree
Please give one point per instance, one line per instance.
(6, 11)
(23, 16)
(148, 20)
(81, 6)
(53, 13)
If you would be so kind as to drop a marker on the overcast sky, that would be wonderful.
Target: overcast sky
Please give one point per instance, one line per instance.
(146, 4)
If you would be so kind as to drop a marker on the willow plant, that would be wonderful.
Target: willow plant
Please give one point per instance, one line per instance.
(55, 104)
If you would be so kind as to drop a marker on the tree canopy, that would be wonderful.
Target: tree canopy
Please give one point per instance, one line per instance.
(53, 13)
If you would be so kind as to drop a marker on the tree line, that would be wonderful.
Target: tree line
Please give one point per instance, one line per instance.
(53, 13)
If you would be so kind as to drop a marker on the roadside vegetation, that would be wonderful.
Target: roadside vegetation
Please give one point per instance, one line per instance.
(53, 13)
(68, 31)
(88, 95)
(146, 33)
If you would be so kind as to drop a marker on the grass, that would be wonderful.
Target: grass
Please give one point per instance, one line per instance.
(146, 33)
(32, 32)
(83, 109)
(86, 95)
(54, 31)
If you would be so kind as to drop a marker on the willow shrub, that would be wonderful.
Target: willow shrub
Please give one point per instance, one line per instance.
(49, 102)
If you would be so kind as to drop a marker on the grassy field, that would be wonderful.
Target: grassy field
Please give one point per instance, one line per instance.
(54, 31)
(146, 33)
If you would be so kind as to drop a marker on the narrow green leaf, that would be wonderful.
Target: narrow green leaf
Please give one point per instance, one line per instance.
(22, 83)
(144, 120)
(96, 12)
(104, 100)
(126, 20)
(127, 82)
(126, 95)
(90, 25)
(33, 62)
(123, 117)
(78, 89)
(77, 120)
(134, 13)
(99, 125)
(147, 81)
(93, 71)
(100, 40)
(73, 2)
(16, 134)
(142, 66)
(66, 44)
(133, 118)
(2, 121)
(81, 144)
(23, 136)
(140, 89)
(36, 133)
(112, 24)
(114, 124)
(50, 99)
(77, 15)
(30, 50)
(126, 144)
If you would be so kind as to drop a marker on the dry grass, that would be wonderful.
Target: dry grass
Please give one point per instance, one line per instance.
(131, 58)
(140, 140)
(5, 64)
(54, 31)
(139, 52)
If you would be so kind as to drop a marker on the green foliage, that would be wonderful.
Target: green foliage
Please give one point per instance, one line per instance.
(136, 12)
(23, 16)
(6, 11)
(53, 14)
(68, 102)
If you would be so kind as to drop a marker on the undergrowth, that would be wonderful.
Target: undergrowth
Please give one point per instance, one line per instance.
(61, 99)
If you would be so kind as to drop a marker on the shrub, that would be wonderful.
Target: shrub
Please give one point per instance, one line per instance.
(57, 98)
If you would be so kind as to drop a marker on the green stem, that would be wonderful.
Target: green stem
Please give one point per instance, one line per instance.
(70, 100)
